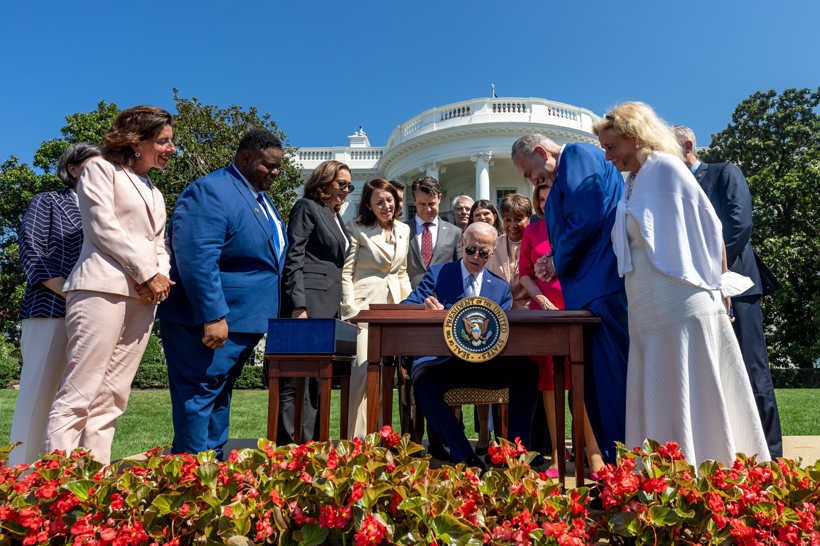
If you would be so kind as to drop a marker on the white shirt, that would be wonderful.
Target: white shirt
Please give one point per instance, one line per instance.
(266, 210)
(75, 196)
(342, 230)
(420, 231)
(476, 288)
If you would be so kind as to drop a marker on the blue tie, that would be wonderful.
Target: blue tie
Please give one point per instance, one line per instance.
(261, 201)
(468, 285)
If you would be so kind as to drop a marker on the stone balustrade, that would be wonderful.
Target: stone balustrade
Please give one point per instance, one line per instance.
(493, 111)
(311, 157)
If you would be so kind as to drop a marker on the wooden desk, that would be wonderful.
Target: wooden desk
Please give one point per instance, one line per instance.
(405, 330)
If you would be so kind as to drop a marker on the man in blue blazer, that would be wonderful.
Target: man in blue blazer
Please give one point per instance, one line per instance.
(580, 213)
(727, 190)
(228, 247)
(442, 286)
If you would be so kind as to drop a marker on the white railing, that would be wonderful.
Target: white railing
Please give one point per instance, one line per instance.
(314, 155)
(509, 108)
(366, 155)
(345, 154)
(495, 110)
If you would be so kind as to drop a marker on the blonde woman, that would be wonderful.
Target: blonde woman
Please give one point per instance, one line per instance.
(686, 381)
(375, 271)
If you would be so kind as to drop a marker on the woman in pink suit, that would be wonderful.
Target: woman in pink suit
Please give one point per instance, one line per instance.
(120, 277)
(548, 296)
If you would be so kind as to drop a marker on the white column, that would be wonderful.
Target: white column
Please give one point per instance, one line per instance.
(483, 161)
(434, 169)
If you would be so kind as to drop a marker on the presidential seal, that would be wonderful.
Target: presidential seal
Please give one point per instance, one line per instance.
(476, 329)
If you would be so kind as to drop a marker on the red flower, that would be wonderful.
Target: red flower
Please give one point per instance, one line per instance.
(371, 532)
(116, 501)
(234, 456)
(655, 485)
(228, 511)
(333, 460)
(390, 438)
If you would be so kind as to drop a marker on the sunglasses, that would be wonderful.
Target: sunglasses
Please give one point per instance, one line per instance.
(345, 185)
(483, 254)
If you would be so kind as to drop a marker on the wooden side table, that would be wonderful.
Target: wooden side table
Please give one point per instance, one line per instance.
(323, 366)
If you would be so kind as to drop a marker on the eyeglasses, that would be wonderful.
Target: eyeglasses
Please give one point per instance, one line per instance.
(345, 185)
(483, 254)
(609, 117)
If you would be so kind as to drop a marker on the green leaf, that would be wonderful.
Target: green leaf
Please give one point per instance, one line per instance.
(360, 474)
(797, 497)
(81, 488)
(625, 524)
(208, 474)
(206, 457)
(418, 506)
(455, 533)
(312, 535)
(660, 515)
(167, 503)
(14, 527)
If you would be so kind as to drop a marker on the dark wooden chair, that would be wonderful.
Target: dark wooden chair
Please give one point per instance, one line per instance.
(325, 367)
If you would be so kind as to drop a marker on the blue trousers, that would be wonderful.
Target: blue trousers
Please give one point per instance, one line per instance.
(201, 381)
(605, 367)
(430, 382)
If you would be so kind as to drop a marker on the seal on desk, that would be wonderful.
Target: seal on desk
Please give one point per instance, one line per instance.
(476, 329)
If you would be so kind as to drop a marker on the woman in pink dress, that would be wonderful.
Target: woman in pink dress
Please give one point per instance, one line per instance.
(548, 296)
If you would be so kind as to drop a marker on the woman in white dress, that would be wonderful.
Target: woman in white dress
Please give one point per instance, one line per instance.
(375, 271)
(686, 380)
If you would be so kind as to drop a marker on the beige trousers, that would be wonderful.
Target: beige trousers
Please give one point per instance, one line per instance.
(107, 335)
(43, 342)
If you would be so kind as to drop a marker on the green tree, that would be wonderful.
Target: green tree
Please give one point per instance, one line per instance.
(775, 140)
(18, 184)
(206, 138)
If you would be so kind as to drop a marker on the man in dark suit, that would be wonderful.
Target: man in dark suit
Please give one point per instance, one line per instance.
(727, 190)
(228, 246)
(432, 242)
(443, 286)
(580, 213)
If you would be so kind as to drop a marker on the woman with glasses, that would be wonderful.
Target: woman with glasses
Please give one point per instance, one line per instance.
(548, 296)
(119, 279)
(375, 272)
(312, 276)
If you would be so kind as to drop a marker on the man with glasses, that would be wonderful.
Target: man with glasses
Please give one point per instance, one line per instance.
(443, 286)
(580, 213)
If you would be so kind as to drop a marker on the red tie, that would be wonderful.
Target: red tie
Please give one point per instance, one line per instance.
(427, 244)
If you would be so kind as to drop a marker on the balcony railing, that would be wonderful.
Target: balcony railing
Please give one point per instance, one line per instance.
(492, 111)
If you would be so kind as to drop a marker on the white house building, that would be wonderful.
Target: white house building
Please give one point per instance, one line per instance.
(465, 146)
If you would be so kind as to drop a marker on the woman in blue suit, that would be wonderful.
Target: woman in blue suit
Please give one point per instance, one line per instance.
(51, 237)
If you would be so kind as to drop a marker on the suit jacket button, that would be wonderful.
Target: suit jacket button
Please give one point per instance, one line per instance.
(256, 211)
(149, 237)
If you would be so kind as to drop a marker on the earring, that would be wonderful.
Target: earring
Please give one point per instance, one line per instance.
(136, 154)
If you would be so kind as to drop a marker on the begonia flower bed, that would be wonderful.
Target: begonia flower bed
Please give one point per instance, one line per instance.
(376, 492)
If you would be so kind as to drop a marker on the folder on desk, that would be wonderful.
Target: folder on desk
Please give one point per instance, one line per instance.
(311, 336)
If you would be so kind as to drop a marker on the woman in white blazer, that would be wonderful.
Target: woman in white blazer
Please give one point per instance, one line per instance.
(375, 271)
(120, 277)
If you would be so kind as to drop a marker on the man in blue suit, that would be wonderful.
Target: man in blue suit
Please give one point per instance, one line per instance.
(580, 213)
(228, 248)
(443, 286)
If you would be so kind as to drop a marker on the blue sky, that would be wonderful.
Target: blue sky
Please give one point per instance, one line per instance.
(324, 68)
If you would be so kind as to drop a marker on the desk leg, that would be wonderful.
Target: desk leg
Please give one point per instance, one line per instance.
(560, 417)
(387, 393)
(373, 375)
(578, 408)
(298, 403)
(273, 405)
(345, 407)
(324, 400)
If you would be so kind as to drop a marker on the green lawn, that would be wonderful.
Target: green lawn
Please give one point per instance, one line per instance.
(147, 422)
